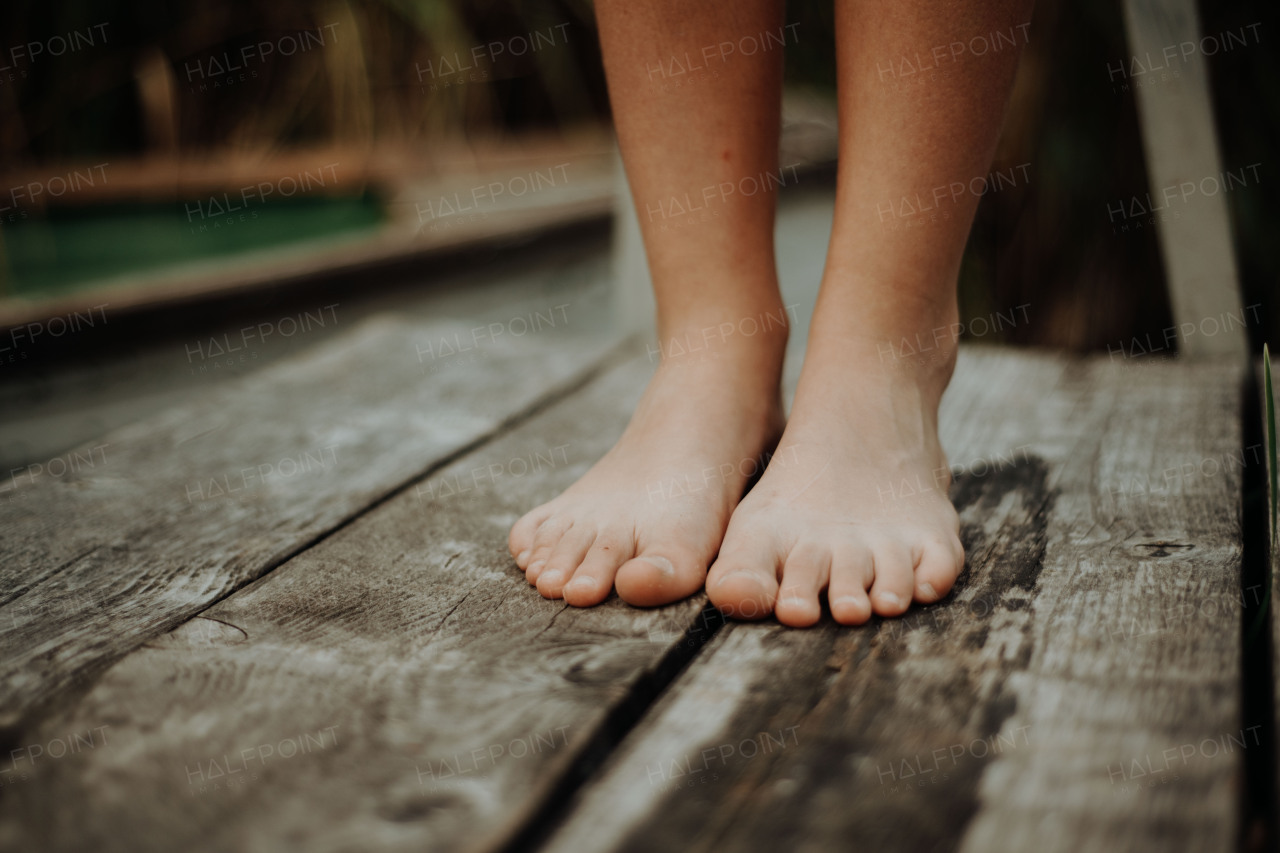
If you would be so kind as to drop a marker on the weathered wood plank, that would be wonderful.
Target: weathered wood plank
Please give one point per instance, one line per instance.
(173, 513)
(137, 366)
(399, 645)
(1075, 644)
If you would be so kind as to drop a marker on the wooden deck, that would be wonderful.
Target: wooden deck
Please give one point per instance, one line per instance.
(209, 648)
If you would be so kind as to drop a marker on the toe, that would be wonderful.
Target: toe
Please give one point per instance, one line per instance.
(565, 559)
(661, 575)
(891, 590)
(743, 581)
(544, 542)
(593, 580)
(520, 539)
(803, 576)
(936, 571)
(852, 571)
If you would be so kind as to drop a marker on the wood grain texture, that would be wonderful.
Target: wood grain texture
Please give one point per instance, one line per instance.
(146, 531)
(399, 645)
(1096, 626)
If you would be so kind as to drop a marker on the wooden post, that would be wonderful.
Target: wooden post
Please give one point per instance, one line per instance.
(1181, 146)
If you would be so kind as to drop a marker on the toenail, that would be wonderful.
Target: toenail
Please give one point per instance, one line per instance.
(927, 589)
(891, 599)
(800, 602)
(553, 576)
(522, 556)
(663, 564)
(581, 583)
(846, 599)
(539, 564)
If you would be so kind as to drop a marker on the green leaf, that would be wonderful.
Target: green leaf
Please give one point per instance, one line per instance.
(1273, 496)
(1271, 441)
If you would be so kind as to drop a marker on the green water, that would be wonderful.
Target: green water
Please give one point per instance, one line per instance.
(68, 251)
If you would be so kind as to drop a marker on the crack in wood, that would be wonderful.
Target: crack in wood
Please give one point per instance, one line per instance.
(554, 617)
(57, 570)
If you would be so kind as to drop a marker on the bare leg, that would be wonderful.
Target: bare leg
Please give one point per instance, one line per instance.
(855, 500)
(650, 516)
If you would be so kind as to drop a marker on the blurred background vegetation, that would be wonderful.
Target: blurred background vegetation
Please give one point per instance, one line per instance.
(363, 86)
(134, 99)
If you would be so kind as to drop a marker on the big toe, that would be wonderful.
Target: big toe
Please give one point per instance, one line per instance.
(742, 590)
(660, 577)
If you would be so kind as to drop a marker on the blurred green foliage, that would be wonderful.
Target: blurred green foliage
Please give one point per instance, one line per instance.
(73, 249)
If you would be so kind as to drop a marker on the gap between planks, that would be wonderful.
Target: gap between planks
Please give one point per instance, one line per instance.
(1081, 661)
(411, 632)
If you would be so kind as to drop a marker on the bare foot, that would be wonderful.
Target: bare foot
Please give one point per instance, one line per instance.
(854, 501)
(648, 517)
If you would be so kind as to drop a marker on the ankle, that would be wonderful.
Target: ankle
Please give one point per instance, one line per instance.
(752, 336)
(919, 345)
(927, 358)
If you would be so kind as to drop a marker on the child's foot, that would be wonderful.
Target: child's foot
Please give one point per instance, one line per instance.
(853, 502)
(648, 517)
